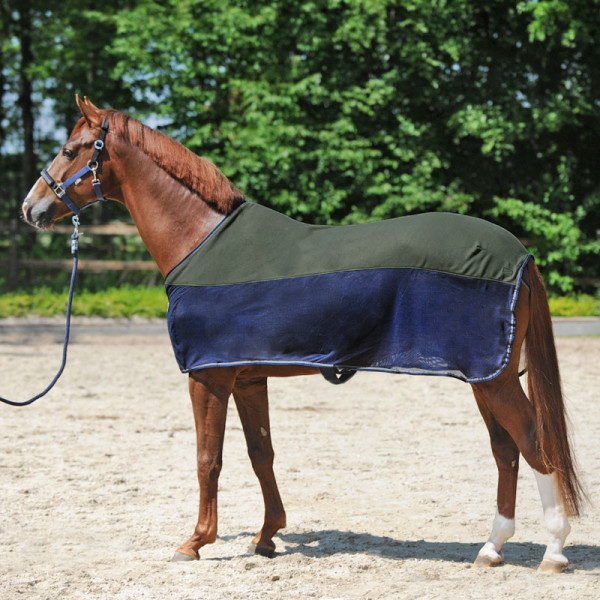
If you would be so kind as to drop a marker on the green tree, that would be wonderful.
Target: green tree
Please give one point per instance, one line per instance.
(50, 51)
(74, 56)
(16, 58)
(344, 111)
(341, 111)
(336, 110)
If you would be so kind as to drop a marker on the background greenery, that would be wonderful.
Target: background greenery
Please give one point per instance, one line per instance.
(332, 111)
(151, 302)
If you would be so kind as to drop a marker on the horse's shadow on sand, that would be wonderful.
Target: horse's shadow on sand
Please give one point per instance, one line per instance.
(329, 542)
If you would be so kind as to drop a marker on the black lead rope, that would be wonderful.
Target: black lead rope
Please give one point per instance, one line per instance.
(74, 248)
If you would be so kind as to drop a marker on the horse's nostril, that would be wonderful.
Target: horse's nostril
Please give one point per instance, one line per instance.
(28, 212)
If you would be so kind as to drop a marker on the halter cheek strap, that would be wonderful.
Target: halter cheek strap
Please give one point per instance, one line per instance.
(60, 188)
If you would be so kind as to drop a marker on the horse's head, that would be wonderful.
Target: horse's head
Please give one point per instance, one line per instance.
(82, 161)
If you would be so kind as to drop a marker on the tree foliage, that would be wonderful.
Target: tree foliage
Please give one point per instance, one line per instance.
(341, 111)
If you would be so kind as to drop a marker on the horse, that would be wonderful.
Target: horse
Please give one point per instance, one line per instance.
(177, 200)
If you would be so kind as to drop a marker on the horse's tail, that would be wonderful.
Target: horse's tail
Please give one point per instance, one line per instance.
(545, 394)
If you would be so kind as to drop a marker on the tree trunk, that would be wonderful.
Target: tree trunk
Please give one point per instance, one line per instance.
(25, 100)
(4, 32)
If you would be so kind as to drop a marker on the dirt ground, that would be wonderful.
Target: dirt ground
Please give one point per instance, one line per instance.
(388, 482)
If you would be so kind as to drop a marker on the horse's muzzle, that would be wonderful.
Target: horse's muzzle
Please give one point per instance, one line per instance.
(40, 215)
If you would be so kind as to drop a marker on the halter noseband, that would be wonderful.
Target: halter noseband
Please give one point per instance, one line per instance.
(92, 166)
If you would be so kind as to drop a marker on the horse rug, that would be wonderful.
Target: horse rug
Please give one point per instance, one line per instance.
(426, 294)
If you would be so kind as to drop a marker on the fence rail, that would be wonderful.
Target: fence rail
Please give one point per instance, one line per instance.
(14, 229)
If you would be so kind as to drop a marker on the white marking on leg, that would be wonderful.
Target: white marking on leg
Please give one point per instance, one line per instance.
(554, 516)
(502, 530)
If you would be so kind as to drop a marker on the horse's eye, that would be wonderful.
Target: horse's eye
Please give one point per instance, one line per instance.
(68, 153)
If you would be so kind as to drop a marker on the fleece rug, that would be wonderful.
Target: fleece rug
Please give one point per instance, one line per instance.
(426, 294)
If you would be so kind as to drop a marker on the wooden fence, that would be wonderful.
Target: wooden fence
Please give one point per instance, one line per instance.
(14, 229)
(11, 233)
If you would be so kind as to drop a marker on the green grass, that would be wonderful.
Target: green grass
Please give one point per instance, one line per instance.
(125, 301)
(151, 302)
(580, 305)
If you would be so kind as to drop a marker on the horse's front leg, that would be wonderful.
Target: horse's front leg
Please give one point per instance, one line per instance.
(209, 391)
(253, 407)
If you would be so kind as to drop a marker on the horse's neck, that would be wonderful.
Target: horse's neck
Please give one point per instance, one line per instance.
(171, 220)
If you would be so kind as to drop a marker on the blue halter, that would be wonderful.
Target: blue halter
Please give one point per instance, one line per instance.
(60, 189)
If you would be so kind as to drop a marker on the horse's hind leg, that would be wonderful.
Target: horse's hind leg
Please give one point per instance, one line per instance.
(253, 406)
(209, 391)
(509, 407)
(506, 454)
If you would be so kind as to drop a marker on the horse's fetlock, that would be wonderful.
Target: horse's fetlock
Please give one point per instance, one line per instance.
(557, 523)
(204, 534)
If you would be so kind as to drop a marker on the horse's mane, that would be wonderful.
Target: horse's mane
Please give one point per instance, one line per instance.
(197, 174)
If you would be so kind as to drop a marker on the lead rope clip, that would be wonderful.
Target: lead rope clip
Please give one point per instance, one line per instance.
(75, 235)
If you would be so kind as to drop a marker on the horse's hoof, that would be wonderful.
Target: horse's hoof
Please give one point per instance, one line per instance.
(181, 557)
(552, 566)
(262, 550)
(492, 559)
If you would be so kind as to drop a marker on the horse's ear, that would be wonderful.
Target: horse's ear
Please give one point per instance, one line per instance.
(90, 112)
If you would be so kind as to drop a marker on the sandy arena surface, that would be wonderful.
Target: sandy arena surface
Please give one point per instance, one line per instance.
(388, 482)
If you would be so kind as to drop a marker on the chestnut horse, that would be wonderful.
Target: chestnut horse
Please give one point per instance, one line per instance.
(176, 199)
